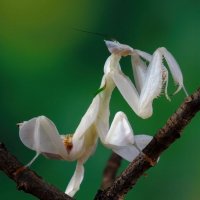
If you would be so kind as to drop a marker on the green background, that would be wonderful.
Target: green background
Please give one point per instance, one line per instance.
(48, 68)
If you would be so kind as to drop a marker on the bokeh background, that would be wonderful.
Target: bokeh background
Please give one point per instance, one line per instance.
(49, 68)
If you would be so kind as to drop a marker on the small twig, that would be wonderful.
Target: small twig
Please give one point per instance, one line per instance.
(26, 179)
(110, 170)
(161, 141)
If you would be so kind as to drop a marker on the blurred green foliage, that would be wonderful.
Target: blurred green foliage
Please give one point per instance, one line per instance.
(49, 68)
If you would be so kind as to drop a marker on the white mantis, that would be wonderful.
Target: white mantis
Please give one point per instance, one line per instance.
(149, 80)
(41, 135)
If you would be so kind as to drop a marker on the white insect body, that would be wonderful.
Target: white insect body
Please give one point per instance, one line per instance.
(41, 135)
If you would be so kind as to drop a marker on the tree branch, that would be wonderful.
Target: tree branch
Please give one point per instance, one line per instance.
(148, 157)
(26, 179)
(110, 170)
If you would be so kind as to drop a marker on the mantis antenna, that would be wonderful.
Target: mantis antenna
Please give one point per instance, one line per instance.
(105, 36)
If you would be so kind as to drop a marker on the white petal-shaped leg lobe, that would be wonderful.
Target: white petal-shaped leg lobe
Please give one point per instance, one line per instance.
(139, 71)
(120, 133)
(152, 87)
(129, 152)
(41, 135)
(120, 138)
(174, 68)
(127, 89)
(141, 141)
(76, 180)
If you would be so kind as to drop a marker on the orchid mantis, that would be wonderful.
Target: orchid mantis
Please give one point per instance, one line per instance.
(149, 79)
(41, 135)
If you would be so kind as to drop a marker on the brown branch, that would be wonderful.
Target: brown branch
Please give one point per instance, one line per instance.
(110, 170)
(161, 141)
(26, 179)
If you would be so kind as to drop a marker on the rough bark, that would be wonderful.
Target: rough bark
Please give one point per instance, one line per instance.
(26, 179)
(110, 170)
